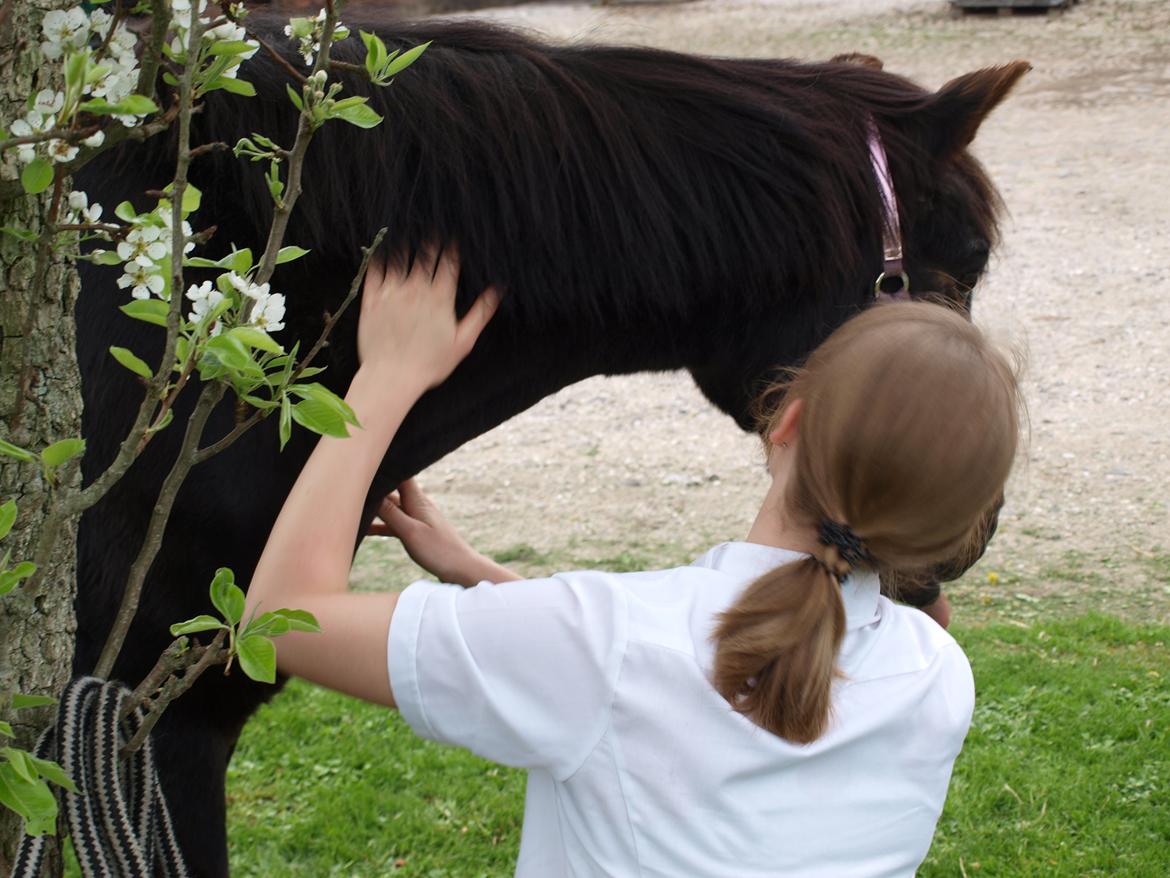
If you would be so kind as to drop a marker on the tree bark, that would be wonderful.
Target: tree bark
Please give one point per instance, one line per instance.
(40, 402)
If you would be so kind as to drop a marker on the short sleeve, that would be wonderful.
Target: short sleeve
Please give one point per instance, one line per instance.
(522, 673)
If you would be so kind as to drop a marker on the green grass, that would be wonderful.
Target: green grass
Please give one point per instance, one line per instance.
(1066, 772)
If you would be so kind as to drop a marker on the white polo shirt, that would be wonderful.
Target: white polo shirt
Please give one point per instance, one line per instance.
(598, 684)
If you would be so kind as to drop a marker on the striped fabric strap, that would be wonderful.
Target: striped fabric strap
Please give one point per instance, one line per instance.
(118, 818)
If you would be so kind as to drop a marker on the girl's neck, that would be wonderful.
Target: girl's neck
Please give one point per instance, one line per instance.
(775, 527)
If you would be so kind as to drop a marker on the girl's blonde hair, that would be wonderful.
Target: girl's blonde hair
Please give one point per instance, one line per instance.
(909, 426)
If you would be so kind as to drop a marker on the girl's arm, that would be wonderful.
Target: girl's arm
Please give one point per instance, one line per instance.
(409, 341)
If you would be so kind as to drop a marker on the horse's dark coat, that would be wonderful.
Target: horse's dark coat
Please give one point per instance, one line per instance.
(643, 209)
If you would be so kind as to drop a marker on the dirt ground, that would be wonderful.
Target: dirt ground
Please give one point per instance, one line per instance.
(642, 469)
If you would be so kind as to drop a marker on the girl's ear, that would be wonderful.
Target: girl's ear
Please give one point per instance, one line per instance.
(788, 426)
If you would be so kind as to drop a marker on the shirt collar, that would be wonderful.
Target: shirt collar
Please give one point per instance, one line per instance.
(860, 592)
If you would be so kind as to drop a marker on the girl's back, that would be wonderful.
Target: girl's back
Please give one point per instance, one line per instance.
(639, 767)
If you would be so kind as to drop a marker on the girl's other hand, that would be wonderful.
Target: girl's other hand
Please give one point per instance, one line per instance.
(427, 536)
(408, 329)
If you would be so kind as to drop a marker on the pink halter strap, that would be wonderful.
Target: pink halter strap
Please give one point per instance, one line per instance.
(893, 283)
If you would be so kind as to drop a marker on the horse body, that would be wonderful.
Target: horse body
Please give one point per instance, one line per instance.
(643, 210)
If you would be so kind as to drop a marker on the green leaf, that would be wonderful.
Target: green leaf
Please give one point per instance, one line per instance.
(194, 626)
(285, 421)
(20, 701)
(6, 730)
(267, 625)
(375, 51)
(21, 763)
(147, 310)
(106, 257)
(36, 176)
(10, 579)
(295, 98)
(275, 184)
(299, 620)
(227, 353)
(405, 60)
(75, 67)
(203, 262)
(127, 358)
(230, 85)
(125, 212)
(137, 105)
(319, 417)
(131, 105)
(191, 199)
(53, 773)
(321, 393)
(35, 802)
(288, 254)
(227, 597)
(256, 338)
(360, 115)
(19, 233)
(240, 261)
(65, 449)
(7, 518)
(230, 47)
(10, 450)
(258, 658)
(164, 423)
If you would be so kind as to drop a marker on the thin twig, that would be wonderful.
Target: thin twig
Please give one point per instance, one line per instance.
(152, 542)
(160, 23)
(68, 134)
(266, 46)
(292, 189)
(347, 67)
(211, 394)
(197, 660)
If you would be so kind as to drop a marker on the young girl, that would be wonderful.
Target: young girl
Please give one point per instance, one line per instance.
(761, 712)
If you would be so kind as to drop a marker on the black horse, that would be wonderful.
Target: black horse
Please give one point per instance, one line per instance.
(644, 210)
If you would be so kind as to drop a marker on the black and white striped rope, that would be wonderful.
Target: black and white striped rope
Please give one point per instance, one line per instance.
(118, 818)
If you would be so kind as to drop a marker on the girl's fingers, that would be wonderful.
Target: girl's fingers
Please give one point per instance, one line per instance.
(477, 317)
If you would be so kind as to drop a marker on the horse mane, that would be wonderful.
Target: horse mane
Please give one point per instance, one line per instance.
(610, 182)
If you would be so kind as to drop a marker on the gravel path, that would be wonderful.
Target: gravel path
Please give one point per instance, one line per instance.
(642, 465)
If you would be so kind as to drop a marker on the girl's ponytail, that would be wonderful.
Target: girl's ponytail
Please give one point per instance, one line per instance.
(776, 649)
(906, 431)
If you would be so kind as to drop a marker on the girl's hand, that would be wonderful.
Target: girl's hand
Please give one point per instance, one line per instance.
(431, 541)
(408, 329)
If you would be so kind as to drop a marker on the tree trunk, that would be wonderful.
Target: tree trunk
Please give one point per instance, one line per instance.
(39, 403)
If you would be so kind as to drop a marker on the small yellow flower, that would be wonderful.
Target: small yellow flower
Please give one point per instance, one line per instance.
(993, 578)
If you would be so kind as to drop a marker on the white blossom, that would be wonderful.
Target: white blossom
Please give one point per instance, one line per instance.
(204, 298)
(48, 102)
(63, 29)
(99, 20)
(62, 150)
(143, 282)
(310, 43)
(143, 247)
(81, 211)
(268, 312)
(123, 44)
(25, 152)
(95, 139)
(246, 287)
(188, 244)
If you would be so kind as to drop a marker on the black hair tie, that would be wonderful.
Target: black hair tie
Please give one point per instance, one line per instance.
(850, 547)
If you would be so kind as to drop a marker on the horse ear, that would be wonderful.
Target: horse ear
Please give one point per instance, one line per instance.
(959, 107)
